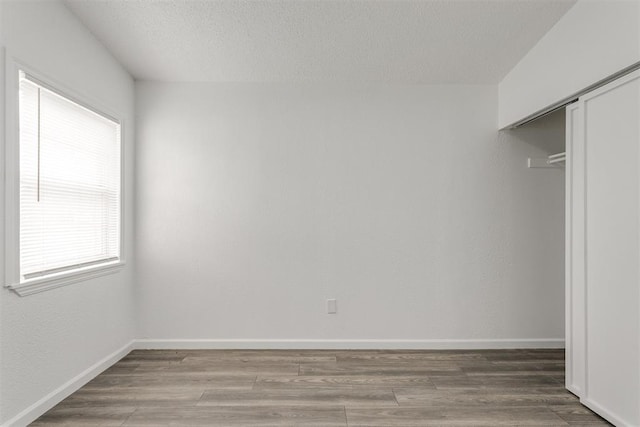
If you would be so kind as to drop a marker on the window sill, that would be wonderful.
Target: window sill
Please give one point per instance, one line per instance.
(53, 281)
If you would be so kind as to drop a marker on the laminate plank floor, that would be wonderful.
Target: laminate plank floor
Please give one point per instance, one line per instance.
(327, 388)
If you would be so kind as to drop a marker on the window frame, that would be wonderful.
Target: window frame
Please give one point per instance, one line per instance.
(12, 185)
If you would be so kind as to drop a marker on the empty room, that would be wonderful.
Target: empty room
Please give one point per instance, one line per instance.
(320, 213)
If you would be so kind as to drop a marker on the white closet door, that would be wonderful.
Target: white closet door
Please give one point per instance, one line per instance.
(612, 250)
(575, 250)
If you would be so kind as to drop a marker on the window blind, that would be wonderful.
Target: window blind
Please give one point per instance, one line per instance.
(69, 183)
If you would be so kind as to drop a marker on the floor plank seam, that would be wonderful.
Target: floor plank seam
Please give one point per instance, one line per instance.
(124, 422)
(346, 418)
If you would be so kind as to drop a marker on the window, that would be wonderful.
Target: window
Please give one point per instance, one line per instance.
(69, 184)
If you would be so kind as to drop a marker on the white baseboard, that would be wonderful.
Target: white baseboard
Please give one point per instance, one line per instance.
(604, 413)
(196, 344)
(58, 395)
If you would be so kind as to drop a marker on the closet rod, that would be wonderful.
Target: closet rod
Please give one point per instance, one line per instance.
(546, 162)
(556, 160)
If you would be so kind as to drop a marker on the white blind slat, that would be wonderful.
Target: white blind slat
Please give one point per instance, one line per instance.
(69, 183)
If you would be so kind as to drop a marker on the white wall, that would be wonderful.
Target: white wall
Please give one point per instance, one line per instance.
(257, 202)
(595, 39)
(51, 337)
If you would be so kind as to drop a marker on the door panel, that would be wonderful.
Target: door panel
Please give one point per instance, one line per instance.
(611, 137)
(575, 248)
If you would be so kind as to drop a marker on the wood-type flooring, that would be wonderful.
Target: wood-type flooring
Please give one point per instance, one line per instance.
(327, 388)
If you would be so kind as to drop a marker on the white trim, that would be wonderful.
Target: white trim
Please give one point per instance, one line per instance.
(12, 202)
(30, 414)
(604, 413)
(570, 387)
(42, 284)
(585, 250)
(445, 344)
(64, 94)
(568, 224)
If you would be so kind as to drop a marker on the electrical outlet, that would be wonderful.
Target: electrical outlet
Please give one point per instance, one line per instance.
(332, 306)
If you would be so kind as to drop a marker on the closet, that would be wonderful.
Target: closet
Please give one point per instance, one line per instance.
(603, 250)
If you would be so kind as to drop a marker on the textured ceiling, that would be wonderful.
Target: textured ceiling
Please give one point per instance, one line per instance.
(437, 41)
